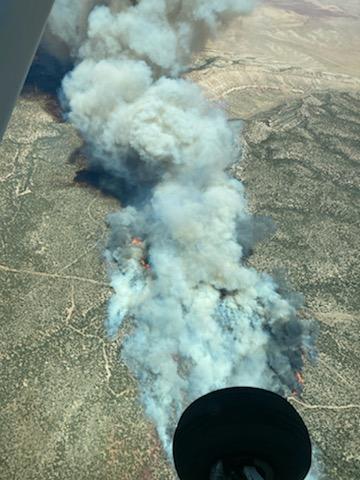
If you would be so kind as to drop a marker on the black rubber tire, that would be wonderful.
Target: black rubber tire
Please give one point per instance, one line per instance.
(241, 421)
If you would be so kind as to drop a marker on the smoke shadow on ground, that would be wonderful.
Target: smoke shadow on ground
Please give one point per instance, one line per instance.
(118, 188)
(46, 72)
(127, 192)
(45, 77)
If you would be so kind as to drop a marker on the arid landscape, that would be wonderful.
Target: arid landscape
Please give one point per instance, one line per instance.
(282, 51)
(68, 406)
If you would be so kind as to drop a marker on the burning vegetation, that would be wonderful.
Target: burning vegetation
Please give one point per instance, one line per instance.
(143, 260)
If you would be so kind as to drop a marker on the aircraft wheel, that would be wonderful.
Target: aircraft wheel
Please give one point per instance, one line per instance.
(242, 426)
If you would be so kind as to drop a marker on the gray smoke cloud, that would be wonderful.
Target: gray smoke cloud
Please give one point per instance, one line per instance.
(67, 27)
(201, 318)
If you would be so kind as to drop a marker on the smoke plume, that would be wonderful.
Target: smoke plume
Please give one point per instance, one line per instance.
(201, 318)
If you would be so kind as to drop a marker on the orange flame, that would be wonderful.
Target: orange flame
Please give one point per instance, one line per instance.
(136, 241)
(299, 378)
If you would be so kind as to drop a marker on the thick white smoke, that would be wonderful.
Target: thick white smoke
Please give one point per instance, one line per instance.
(201, 318)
